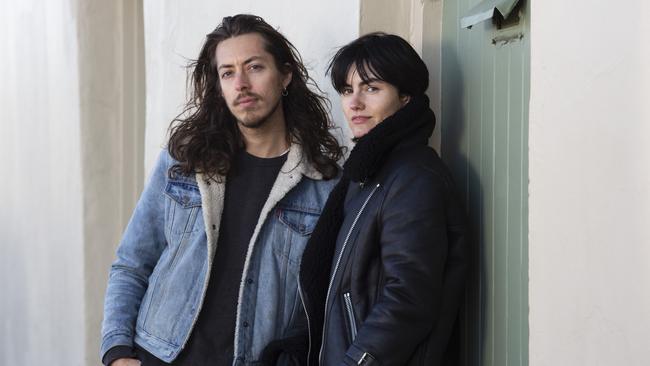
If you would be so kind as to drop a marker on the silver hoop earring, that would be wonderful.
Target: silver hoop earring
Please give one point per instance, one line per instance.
(285, 92)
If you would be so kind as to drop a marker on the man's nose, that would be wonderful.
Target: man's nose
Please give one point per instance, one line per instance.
(241, 81)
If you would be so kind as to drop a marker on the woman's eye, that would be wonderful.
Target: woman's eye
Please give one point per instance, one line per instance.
(226, 74)
(371, 88)
(256, 67)
(346, 91)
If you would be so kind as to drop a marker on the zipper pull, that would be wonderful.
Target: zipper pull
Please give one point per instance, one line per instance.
(363, 358)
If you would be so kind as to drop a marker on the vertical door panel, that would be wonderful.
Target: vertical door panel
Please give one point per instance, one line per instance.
(484, 121)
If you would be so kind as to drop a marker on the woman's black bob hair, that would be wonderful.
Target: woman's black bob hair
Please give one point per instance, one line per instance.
(382, 56)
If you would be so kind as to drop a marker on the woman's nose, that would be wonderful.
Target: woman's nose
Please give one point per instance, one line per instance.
(355, 102)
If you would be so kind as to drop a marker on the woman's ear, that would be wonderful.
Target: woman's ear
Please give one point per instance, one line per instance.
(404, 99)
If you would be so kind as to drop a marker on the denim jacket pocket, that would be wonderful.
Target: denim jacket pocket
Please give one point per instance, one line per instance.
(184, 193)
(295, 226)
(300, 221)
(184, 206)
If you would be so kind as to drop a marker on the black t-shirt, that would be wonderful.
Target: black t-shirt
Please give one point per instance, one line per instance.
(248, 185)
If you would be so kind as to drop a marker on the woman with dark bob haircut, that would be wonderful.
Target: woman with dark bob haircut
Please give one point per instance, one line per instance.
(383, 273)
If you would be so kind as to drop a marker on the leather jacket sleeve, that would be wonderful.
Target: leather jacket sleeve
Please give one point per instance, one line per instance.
(413, 241)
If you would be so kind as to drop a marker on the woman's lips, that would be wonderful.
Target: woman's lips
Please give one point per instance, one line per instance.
(360, 119)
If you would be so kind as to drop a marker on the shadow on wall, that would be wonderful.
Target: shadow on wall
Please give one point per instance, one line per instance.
(454, 153)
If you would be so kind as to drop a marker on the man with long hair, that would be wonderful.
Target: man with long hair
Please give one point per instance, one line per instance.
(207, 269)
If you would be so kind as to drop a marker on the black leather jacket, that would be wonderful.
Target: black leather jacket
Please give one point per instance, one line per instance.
(399, 265)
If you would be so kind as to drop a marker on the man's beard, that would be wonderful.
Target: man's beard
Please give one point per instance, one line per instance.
(262, 120)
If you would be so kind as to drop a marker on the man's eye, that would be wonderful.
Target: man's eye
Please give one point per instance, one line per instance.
(256, 67)
(226, 74)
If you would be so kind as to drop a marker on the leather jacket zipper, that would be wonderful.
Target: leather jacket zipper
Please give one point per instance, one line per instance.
(351, 318)
(336, 267)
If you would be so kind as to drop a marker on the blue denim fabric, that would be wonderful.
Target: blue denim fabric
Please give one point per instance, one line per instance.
(157, 283)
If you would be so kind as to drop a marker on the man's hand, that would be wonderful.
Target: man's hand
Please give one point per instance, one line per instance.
(126, 362)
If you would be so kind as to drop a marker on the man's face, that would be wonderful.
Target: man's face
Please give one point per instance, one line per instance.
(250, 80)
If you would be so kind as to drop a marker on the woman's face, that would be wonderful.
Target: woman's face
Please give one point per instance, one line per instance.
(367, 103)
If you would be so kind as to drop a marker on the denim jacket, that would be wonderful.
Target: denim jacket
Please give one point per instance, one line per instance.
(158, 282)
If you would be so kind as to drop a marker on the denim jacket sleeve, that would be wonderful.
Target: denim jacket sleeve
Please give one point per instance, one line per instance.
(142, 245)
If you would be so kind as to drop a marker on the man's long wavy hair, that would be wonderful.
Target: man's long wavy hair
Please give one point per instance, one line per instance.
(205, 136)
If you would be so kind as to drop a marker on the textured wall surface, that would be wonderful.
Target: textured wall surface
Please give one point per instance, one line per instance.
(589, 183)
(41, 225)
(111, 82)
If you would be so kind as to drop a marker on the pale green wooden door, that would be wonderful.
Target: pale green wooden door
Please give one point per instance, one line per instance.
(484, 121)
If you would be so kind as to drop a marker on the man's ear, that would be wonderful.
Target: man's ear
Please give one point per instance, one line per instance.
(404, 99)
(287, 76)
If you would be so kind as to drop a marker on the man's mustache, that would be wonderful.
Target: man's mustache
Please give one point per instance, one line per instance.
(246, 96)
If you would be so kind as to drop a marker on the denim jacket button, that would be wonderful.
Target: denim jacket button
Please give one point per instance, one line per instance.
(249, 281)
(245, 324)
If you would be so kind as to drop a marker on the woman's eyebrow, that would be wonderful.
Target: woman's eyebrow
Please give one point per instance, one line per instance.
(372, 80)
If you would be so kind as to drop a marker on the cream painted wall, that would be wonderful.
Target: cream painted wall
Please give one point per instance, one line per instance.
(111, 82)
(174, 33)
(589, 183)
(390, 16)
(41, 234)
